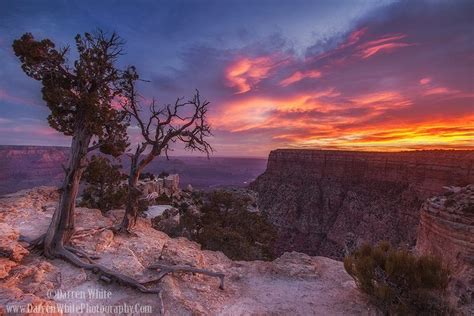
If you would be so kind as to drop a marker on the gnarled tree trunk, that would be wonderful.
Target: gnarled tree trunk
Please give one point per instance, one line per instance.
(61, 227)
(134, 193)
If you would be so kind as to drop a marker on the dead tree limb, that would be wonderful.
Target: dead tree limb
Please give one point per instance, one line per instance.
(82, 254)
(184, 122)
(33, 243)
(166, 269)
(89, 232)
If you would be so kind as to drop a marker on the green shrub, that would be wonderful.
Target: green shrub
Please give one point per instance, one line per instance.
(398, 282)
(469, 208)
(104, 188)
(146, 176)
(225, 225)
(163, 174)
(163, 199)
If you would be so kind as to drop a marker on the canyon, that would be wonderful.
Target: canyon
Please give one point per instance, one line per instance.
(24, 167)
(325, 202)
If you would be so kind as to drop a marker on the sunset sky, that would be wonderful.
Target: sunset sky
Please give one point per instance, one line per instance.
(359, 75)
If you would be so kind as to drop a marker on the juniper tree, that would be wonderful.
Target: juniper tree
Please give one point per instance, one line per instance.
(183, 122)
(79, 97)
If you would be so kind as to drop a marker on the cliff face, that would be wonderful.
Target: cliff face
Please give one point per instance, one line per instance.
(447, 230)
(325, 201)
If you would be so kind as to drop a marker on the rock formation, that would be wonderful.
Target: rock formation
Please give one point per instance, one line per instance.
(295, 283)
(447, 230)
(168, 185)
(320, 200)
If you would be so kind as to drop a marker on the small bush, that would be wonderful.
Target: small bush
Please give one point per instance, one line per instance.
(146, 176)
(224, 224)
(104, 188)
(450, 202)
(163, 199)
(163, 174)
(468, 208)
(398, 282)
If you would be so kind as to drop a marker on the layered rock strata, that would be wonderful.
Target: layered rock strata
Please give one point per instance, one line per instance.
(322, 200)
(447, 230)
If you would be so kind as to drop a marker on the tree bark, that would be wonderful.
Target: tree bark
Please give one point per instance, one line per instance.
(131, 209)
(136, 168)
(61, 227)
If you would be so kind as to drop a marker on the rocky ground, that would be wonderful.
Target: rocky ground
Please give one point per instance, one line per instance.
(294, 284)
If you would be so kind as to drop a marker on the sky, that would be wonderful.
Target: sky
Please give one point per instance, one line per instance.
(352, 75)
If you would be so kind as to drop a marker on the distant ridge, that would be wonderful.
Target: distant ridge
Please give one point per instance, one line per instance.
(28, 166)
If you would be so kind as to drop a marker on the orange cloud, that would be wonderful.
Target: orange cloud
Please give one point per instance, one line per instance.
(428, 134)
(297, 76)
(246, 72)
(328, 120)
(381, 100)
(256, 112)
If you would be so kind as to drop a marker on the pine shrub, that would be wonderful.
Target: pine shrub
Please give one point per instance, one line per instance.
(399, 282)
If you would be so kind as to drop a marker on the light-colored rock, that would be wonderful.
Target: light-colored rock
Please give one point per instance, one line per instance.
(5, 266)
(9, 246)
(156, 210)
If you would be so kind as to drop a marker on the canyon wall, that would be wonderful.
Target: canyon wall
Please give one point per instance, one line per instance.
(325, 202)
(446, 230)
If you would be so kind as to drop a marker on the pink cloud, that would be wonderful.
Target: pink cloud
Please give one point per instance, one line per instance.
(355, 36)
(384, 44)
(5, 96)
(439, 90)
(425, 81)
(300, 75)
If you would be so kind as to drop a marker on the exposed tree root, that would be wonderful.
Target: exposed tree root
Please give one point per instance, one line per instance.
(33, 243)
(74, 256)
(104, 273)
(165, 269)
(89, 231)
(120, 230)
(82, 254)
